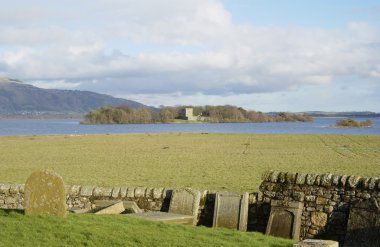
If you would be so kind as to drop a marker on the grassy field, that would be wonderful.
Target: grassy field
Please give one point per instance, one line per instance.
(233, 162)
(117, 230)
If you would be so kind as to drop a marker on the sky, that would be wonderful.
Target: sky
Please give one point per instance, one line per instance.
(266, 55)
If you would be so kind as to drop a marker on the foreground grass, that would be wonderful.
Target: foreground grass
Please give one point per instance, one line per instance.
(117, 230)
(233, 162)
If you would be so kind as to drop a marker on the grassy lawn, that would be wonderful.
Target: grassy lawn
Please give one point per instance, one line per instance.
(117, 230)
(233, 162)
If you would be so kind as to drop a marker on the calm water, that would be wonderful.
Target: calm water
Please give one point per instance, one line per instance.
(72, 127)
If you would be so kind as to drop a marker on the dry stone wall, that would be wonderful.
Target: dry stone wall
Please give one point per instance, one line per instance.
(327, 199)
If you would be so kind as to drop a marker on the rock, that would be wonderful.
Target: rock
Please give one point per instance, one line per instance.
(316, 243)
(274, 177)
(116, 208)
(123, 192)
(282, 177)
(319, 219)
(45, 194)
(4, 188)
(115, 192)
(301, 178)
(343, 180)
(310, 179)
(372, 183)
(157, 193)
(290, 177)
(74, 190)
(140, 192)
(86, 191)
(353, 181)
(335, 180)
(326, 179)
(310, 198)
(321, 200)
(131, 192)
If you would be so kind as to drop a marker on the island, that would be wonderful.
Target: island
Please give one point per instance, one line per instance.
(350, 123)
(186, 114)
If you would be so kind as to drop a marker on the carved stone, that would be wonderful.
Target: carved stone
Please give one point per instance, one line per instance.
(231, 211)
(45, 194)
(363, 228)
(185, 201)
(285, 219)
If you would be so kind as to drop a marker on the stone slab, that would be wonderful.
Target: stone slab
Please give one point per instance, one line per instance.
(116, 208)
(130, 206)
(45, 194)
(79, 210)
(285, 219)
(363, 227)
(165, 217)
(316, 243)
(231, 211)
(86, 190)
(185, 201)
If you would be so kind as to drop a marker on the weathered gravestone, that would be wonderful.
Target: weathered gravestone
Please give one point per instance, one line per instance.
(231, 211)
(186, 202)
(45, 194)
(285, 219)
(363, 228)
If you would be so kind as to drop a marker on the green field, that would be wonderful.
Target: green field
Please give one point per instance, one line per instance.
(233, 162)
(117, 230)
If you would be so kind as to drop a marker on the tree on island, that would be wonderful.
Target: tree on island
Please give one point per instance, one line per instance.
(350, 123)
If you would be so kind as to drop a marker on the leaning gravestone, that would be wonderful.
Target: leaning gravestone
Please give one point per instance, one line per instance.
(285, 219)
(186, 202)
(231, 211)
(363, 228)
(45, 194)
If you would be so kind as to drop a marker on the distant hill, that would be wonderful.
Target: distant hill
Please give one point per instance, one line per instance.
(358, 114)
(17, 98)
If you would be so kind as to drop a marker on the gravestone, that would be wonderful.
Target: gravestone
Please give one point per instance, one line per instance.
(285, 219)
(363, 228)
(45, 194)
(186, 202)
(231, 211)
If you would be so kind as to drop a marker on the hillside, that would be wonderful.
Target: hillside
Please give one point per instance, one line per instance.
(17, 98)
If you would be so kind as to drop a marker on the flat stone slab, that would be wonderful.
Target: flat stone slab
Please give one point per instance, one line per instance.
(129, 206)
(79, 210)
(316, 243)
(166, 217)
(116, 208)
(45, 194)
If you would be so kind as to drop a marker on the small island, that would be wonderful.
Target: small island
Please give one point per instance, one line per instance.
(350, 123)
(186, 114)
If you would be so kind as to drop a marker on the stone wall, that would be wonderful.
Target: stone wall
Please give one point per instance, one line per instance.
(327, 199)
(148, 199)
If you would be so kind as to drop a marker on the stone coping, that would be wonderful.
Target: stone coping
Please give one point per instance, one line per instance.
(325, 180)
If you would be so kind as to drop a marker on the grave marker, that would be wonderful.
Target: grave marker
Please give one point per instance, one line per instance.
(363, 228)
(285, 219)
(231, 211)
(45, 194)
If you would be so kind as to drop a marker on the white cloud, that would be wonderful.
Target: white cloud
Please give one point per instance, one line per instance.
(208, 54)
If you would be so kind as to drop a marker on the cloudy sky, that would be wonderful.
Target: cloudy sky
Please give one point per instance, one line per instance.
(268, 55)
